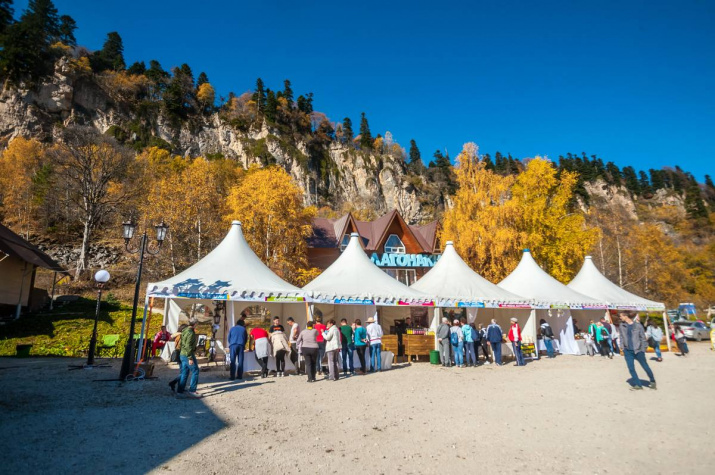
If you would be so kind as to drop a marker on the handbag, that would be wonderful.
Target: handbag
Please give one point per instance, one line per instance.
(175, 356)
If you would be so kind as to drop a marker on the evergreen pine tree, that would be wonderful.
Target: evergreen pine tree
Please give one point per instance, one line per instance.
(614, 174)
(366, 139)
(288, 92)
(137, 68)
(694, 205)
(111, 56)
(271, 105)
(657, 181)
(187, 74)
(415, 155)
(6, 17)
(203, 79)
(348, 134)
(66, 30)
(631, 180)
(709, 182)
(488, 163)
(259, 96)
(644, 183)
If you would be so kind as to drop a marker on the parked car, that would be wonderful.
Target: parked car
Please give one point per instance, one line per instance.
(694, 330)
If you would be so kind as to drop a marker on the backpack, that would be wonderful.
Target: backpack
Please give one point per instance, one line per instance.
(454, 338)
(475, 334)
(604, 332)
(547, 331)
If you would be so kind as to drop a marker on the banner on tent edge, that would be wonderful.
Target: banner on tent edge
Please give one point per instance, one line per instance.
(204, 296)
(352, 301)
(284, 299)
(509, 305)
(419, 304)
(470, 305)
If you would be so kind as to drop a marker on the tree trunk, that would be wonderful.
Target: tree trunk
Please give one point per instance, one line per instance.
(198, 249)
(171, 253)
(620, 262)
(82, 260)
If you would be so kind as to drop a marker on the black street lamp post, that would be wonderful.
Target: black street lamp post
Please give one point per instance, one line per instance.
(129, 228)
(101, 277)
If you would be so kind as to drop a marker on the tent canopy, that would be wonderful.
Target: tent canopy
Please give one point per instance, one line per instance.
(232, 271)
(531, 281)
(354, 279)
(455, 284)
(589, 281)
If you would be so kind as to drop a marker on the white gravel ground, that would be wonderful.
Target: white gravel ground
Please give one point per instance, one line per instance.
(567, 415)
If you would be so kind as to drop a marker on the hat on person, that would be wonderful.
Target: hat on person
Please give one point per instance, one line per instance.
(456, 320)
(370, 320)
(513, 319)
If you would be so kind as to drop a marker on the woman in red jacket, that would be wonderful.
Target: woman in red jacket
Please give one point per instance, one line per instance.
(515, 338)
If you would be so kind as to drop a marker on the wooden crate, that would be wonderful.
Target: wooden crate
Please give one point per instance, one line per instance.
(389, 343)
(418, 345)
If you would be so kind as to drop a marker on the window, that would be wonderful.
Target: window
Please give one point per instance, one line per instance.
(406, 276)
(344, 242)
(394, 245)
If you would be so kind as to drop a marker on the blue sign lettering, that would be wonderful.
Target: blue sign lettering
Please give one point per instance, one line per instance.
(404, 260)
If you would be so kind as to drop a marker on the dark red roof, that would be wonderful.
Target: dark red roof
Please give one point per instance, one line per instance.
(327, 233)
(14, 245)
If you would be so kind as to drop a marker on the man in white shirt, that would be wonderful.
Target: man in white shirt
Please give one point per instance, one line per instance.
(292, 339)
(374, 335)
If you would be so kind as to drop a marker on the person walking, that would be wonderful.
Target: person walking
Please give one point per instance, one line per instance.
(547, 334)
(443, 337)
(307, 345)
(457, 340)
(374, 335)
(609, 338)
(292, 340)
(679, 336)
(655, 335)
(261, 348)
(602, 340)
(591, 348)
(494, 336)
(470, 333)
(634, 345)
(347, 347)
(515, 338)
(237, 337)
(332, 338)
(615, 338)
(320, 328)
(361, 341)
(483, 343)
(281, 347)
(188, 361)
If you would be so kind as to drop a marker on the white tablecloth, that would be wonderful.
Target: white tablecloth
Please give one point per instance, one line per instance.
(557, 347)
(250, 363)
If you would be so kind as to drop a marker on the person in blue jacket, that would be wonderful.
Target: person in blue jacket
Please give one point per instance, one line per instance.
(494, 337)
(237, 343)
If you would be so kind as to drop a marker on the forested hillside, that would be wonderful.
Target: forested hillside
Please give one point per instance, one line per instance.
(90, 141)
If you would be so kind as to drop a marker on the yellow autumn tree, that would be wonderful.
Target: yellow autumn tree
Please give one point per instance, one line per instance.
(275, 221)
(206, 95)
(548, 220)
(481, 220)
(23, 166)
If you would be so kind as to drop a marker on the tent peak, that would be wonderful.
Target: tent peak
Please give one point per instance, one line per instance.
(588, 258)
(354, 235)
(527, 250)
(235, 223)
(450, 243)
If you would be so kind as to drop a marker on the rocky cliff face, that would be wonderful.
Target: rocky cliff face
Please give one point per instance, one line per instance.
(365, 180)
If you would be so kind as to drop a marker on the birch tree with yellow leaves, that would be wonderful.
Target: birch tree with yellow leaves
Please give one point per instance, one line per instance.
(548, 221)
(275, 221)
(481, 221)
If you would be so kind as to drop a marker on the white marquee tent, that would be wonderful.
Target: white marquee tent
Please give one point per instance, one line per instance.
(589, 281)
(353, 287)
(454, 284)
(552, 301)
(232, 273)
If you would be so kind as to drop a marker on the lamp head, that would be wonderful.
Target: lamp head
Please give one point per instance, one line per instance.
(128, 228)
(102, 276)
(161, 229)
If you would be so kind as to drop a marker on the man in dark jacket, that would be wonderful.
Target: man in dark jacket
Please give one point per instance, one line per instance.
(444, 343)
(188, 361)
(634, 345)
(237, 338)
(494, 337)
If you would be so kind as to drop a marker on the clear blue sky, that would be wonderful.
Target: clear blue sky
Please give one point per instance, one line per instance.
(631, 81)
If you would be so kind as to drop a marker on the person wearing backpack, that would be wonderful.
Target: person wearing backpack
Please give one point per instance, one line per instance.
(547, 334)
(482, 342)
(456, 338)
(470, 334)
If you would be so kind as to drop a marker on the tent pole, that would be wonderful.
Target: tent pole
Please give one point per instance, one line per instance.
(437, 311)
(667, 331)
(52, 298)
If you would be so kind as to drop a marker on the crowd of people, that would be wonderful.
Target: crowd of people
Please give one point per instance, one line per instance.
(459, 346)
